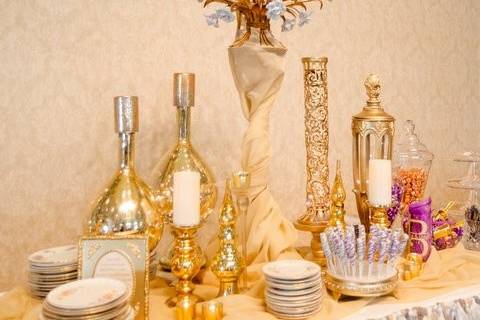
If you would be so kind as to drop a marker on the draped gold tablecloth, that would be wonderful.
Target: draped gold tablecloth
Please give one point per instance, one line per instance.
(445, 271)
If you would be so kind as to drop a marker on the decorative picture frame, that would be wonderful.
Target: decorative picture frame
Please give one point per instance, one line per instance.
(125, 258)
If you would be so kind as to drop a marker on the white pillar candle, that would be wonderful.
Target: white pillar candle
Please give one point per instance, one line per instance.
(380, 182)
(186, 198)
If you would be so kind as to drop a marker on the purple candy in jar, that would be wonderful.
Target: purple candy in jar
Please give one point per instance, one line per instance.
(397, 195)
(421, 227)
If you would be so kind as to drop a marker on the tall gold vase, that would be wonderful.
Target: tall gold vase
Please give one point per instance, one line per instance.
(128, 205)
(183, 158)
(317, 215)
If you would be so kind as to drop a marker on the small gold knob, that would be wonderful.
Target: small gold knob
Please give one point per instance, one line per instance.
(373, 86)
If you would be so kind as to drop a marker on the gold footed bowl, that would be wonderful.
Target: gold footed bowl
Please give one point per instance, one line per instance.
(359, 287)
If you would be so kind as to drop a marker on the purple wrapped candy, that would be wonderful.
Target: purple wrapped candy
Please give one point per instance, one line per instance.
(350, 244)
(421, 228)
(397, 194)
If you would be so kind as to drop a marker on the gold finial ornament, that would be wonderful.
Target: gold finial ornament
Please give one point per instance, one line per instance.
(183, 158)
(373, 87)
(372, 138)
(316, 218)
(337, 213)
(228, 264)
(127, 205)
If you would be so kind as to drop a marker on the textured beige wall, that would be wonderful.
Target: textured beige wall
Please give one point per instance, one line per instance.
(61, 62)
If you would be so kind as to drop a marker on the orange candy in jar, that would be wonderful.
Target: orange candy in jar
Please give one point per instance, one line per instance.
(412, 162)
(413, 181)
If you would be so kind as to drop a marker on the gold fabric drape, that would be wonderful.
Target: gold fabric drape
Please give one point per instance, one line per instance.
(258, 74)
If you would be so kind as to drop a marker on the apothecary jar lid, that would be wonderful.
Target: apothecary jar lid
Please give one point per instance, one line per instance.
(409, 146)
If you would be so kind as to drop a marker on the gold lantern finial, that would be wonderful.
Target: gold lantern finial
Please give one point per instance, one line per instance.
(372, 84)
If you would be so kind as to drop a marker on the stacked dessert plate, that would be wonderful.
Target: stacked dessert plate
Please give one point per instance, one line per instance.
(294, 288)
(51, 268)
(94, 298)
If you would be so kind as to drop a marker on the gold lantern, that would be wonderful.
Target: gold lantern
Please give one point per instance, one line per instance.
(372, 131)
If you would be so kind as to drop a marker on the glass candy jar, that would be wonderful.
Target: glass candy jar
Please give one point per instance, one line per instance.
(412, 162)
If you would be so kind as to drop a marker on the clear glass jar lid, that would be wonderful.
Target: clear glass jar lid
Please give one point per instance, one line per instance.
(409, 146)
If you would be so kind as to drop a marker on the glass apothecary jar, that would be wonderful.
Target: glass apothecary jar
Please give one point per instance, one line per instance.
(411, 164)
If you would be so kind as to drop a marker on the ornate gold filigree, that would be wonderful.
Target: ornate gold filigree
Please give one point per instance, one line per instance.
(135, 250)
(316, 140)
(316, 218)
(92, 249)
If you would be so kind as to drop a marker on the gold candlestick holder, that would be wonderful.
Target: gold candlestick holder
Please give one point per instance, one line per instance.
(227, 264)
(240, 184)
(315, 220)
(186, 263)
(378, 216)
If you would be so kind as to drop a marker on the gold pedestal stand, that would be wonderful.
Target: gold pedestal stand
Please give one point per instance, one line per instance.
(186, 263)
(341, 287)
(315, 252)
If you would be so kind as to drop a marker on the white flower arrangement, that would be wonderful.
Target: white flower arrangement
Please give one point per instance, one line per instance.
(291, 12)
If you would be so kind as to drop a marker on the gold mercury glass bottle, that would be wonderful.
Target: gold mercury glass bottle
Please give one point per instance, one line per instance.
(128, 205)
(183, 158)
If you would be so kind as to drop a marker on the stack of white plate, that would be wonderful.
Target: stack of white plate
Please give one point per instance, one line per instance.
(94, 298)
(50, 268)
(294, 288)
(153, 263)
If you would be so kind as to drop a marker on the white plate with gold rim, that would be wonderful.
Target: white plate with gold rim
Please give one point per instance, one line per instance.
(293, 316)
(312, 296)
(294, 286)
(295, 310)
(282, 281)
(87, 293)
(289, 293)
(56, 256)
(291, 269)
(119, 312)
(293, 304)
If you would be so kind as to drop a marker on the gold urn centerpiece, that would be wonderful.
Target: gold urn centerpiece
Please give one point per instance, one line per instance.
(183, 158)
(128, 204)
(372, 132)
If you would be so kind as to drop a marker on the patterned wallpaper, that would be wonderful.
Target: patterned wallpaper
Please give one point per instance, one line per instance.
(61, 62)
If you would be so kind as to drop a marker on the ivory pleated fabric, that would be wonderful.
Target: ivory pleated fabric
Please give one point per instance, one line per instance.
(445, 271)
(258, 74)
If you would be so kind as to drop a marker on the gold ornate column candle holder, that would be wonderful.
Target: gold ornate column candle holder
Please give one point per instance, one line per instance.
(315, 220)
(227, 264)
(372, 131)
(186, 263)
